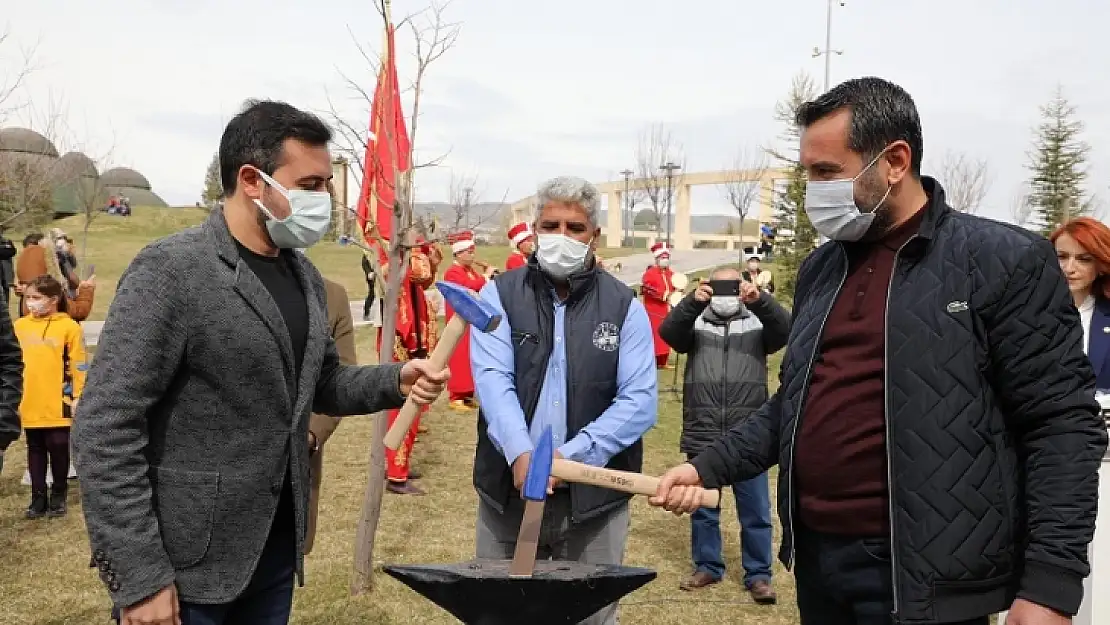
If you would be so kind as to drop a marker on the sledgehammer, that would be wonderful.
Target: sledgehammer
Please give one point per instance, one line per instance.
(623, 481)
(469, 311)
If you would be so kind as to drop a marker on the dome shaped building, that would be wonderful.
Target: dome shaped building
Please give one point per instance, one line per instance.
(30, 165)
(125, 182)
(26, 142)
(78, 185)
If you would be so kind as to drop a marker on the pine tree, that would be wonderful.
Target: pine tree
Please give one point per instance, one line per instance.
(796, 237)
(1057, 163)
(213, 187)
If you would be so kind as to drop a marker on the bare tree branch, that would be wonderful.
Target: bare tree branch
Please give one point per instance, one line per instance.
(742, 185)
(434, 38)
(11, 83)
(28, 179)
(656, 147)
(1021, 207)
(743, 176)
(462, 195)
(966, 181)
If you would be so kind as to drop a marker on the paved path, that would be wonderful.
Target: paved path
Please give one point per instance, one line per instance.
(632, 268)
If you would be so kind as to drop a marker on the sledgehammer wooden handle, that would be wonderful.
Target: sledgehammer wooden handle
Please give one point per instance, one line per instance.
(624, 481)
(452, 334)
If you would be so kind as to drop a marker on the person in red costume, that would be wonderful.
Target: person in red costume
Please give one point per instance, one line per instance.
(656, 287)
(463, 273)
(416, 336)
(521, 238)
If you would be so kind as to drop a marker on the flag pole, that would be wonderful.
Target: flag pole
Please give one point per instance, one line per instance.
(363, 579)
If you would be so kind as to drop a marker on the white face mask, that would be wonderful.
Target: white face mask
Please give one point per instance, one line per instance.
(560, 255)
(725, 305)
(664, 262)
(309, 216)
(831, 207)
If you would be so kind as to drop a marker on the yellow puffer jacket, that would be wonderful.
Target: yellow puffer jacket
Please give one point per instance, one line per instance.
(54, 368)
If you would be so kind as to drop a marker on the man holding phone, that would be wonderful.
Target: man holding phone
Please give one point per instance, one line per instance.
(727, 328)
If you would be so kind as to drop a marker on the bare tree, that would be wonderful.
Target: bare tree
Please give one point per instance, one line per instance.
(90, 194)
(462, 198)
(30, 175)
(742, 185)
(433, 36)
(13, 79)
(966, 181)
(1021, 207)
(434, 39)
(656, 147)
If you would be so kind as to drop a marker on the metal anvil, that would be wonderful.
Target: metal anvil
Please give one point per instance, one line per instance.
(481, 592)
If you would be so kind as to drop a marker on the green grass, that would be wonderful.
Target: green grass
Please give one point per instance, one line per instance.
(44, 578)
(114, 241)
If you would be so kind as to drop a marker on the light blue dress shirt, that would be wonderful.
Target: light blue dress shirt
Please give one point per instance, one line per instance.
(632, 413)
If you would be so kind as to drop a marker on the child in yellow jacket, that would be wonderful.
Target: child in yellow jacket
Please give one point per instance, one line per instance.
(53, 376)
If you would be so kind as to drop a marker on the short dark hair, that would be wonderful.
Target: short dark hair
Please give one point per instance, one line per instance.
(882, 113)
(32, 238)
(256, 136)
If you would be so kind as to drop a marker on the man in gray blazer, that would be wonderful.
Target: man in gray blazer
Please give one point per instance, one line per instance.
(191, 437)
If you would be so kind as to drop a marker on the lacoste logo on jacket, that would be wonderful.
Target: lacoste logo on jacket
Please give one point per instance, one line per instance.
(957, 306)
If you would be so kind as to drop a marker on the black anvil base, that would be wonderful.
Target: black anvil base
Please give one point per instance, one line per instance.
(480, 592)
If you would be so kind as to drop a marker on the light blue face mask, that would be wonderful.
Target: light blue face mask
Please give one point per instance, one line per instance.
(309, 216)
(831, 207)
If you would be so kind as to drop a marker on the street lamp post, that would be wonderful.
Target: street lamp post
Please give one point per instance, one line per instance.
(626, 207)
(828, 51)
(466, 207)
(670, 168)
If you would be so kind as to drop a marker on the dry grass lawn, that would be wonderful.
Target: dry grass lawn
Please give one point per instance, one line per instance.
(45, 580)
(114, 241)
(44, 574)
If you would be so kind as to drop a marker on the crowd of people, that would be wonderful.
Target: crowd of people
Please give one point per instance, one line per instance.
(936, 426)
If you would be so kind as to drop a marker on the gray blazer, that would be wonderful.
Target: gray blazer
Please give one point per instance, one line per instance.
(190, 418)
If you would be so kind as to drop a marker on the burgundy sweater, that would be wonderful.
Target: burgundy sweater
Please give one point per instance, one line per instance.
(840, 458)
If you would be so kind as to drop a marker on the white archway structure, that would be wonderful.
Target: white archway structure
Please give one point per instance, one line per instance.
(681, 237)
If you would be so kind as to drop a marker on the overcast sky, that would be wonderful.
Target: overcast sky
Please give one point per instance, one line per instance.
(538, 89)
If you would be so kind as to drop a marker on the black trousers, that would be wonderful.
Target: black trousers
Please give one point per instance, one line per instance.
(845, 580)
(48, 446)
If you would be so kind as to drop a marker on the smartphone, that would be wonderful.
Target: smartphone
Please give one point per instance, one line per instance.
(90, 272)
(725, 287)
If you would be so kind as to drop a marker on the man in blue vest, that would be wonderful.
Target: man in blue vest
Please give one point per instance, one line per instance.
(574, 352)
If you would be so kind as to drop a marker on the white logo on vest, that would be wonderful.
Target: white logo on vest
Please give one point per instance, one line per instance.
(607, 337)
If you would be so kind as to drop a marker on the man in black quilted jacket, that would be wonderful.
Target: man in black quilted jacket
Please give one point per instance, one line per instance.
(935, 426)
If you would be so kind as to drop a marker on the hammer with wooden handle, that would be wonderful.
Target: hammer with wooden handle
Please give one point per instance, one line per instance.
(469, 311)
(623, 481)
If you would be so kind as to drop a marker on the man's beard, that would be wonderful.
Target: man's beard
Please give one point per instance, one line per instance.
(877, 195)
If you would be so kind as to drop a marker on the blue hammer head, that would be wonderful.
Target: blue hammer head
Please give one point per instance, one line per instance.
(473, 310)
(539, 468)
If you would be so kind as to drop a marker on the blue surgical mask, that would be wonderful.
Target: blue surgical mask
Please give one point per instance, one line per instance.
(309, 216)
(831, 207)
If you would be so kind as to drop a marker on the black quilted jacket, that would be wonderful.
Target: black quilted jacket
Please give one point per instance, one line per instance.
(11, 379)
(994, 437)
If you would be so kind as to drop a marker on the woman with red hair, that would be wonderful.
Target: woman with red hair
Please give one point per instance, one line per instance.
(1083, 249)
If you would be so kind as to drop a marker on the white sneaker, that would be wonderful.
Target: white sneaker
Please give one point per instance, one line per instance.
(27, 478)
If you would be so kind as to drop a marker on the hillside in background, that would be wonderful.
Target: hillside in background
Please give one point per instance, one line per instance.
(490, 217)
(113, 241)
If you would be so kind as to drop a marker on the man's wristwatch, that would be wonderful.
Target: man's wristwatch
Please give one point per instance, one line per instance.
(313, 444)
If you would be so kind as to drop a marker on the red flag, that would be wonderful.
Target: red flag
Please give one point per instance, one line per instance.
(387, 150)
